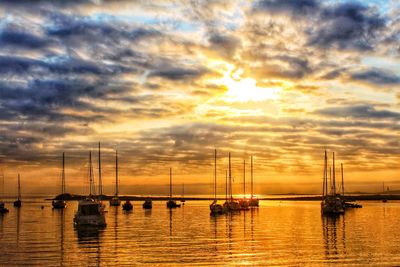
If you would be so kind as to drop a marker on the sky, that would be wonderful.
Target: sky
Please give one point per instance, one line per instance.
(167, 82)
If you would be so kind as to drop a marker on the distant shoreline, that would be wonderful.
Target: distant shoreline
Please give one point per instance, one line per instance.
(293, 198)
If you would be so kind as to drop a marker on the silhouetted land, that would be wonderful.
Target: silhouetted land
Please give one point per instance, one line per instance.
(293, 198)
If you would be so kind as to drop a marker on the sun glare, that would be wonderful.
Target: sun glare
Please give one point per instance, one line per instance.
(246, 89)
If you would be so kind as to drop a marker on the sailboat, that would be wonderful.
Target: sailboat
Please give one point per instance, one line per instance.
(59, 202)
(331, 204)
(171, 203)
(148, 204)
(17, 203)
(183, 200)
(216, 208)
(115, 201)
(3, 208)
(346, 204)
(253, 200)
(244, 203)
(90, 211)
(100, 195)
(231, 204)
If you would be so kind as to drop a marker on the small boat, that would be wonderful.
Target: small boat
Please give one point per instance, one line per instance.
(18, 202)
(59, 202)
(90, 213)
(127, 206)
(171, 204)
(231, 205)
(3, 208)
(253, 202)
(148, 204)
(115, 201)
(331, 203)
(244, 203)
(215, 208)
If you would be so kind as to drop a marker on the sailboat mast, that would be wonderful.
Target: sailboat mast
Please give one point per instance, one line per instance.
(63, 174)
(170, 183)
(226, 185)
(325, 177)
(215, 174)
(230, 177)
(334, 175)
(251, 174)
(244, 178)
(19, 187)
(100, 178)
(341, 169)
(91, 191)
(116, 172)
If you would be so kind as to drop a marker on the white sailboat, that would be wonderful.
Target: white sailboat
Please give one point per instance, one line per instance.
(216, 208)
(253, 200)
(90, 211)
(115, 201)
(59, 202)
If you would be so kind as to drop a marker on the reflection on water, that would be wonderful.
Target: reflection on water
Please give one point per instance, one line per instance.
(276, 233)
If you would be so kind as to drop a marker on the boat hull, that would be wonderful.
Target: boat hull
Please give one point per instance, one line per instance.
(17, 203)
(127, 206)
(59, 204)
(171, 204)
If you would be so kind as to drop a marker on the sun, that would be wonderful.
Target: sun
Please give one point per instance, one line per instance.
(245, 89)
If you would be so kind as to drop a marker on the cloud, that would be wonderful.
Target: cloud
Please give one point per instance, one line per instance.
(358, 112)
(377, 76)
(294, 7)
(226, 45)
(178, 73)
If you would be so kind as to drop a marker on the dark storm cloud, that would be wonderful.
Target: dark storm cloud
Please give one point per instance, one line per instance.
(377, 77)
(358, 112)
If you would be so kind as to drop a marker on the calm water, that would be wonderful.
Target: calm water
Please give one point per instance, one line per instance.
(278, 233)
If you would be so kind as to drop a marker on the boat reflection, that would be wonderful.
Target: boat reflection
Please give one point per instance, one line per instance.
(334, 234)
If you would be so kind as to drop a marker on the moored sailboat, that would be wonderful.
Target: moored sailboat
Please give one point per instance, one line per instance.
(171, 203)
(90, 211)
(59, 202)
(115, 201)
(231, 204)
(244, 203)
(18, 202)
(331, 203)
(3, 208)
(148, 203)
(127, 206)
(216, 208)
(253, 202)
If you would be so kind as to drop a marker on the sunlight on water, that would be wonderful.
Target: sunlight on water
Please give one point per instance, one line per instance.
(278, 233)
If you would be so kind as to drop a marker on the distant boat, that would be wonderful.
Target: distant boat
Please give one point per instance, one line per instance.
(115, 201)
(100, 195)
(18, 203)
(90, 211)
(183, 194)
(331, 204)
(148, 203)
(346, 204)
(384, 199)
(127, 206)
(231, 205)
(244, 203)
(216, 208)
(3, 208)
(253, 200)
(171, 203)
(60, 203)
